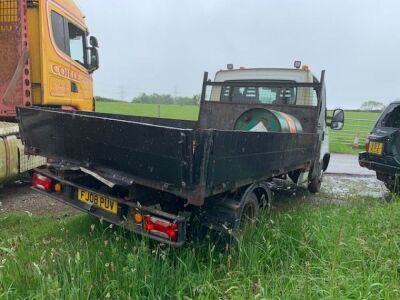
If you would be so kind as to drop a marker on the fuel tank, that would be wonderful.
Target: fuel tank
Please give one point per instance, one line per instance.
(9, 165)
(13, 160)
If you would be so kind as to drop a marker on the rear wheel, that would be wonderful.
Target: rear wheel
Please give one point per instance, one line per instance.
(248, 214)
(391, 182)
(232, 217)
(315, 185)
(392, 187)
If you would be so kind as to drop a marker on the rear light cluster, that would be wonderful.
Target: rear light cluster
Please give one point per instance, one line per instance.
(161, 227)
(45, 183)
(367, 145)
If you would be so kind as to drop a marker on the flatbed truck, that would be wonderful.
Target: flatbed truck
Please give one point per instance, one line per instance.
(156, 176)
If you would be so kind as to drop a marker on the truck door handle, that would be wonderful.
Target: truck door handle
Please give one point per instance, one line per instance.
(74, 87)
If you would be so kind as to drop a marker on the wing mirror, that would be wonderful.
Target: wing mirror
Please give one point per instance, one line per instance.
(94, 54)
(337, 120)
(94, 42)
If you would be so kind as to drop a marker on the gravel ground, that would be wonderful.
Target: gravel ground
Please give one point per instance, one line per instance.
(337, 189)
(19, 197)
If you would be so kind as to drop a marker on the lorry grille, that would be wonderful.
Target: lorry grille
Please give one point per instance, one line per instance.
(9, 14)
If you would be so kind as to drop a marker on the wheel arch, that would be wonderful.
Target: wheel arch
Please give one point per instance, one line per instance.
(261, 190)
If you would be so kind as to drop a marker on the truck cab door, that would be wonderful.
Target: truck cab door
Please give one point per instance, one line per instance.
(322, 127)
(69, 81)
(81, 81)
(56, 61)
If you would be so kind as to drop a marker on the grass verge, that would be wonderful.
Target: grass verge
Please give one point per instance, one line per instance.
(325, 252)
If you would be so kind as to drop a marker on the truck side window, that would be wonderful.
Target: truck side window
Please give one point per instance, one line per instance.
(58, 25)
(76, 43)
(69, 38)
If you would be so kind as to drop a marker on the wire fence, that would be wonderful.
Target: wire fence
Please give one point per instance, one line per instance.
(354, 134)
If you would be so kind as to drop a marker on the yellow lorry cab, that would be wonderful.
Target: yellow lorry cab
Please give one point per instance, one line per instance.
(46, 59)
(60, 60)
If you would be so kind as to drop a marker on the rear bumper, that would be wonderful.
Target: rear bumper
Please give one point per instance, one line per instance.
(123, 217)
(386, 165)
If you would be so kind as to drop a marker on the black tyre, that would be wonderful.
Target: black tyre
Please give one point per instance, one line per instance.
(248, 214)
(392, 187)
(315, 185)
(229, 219)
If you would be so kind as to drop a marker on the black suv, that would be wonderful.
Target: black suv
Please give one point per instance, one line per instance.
(383, 147)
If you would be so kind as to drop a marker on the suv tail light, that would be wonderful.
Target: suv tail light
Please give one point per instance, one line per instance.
(161, 227)
(42, 182)
(367, 145)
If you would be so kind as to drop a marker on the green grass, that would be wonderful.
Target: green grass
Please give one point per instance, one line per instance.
(183, 112)
(327, 252)
(341, 141)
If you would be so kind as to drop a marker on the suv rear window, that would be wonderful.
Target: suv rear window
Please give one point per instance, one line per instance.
(391, 117)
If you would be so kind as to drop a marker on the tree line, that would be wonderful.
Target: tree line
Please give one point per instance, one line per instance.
(157, 99)
(166, 99)
(372, 106)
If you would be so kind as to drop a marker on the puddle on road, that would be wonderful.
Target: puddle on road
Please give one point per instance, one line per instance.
(349, 186)
(336, 190)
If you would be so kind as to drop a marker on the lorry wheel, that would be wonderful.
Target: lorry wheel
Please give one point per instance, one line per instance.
(315, 185)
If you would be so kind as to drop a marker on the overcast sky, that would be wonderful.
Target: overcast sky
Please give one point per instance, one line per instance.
(164, 46)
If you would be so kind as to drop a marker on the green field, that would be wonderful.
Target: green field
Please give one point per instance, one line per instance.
(183, 112)
(358, 124)
(328, 252)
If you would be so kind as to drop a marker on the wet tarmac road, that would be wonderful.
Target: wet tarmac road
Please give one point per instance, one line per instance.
(347, 164)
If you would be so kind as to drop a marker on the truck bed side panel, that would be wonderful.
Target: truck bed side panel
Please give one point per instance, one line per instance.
(238, 157)
(155, 154)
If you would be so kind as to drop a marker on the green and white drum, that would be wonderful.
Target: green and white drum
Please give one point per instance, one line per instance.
(265, 120)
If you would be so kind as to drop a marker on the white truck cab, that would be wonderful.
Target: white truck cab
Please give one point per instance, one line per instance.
(293, 96)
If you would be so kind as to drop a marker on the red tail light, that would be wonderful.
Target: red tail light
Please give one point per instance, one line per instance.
(161, 227)
(42, 182)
